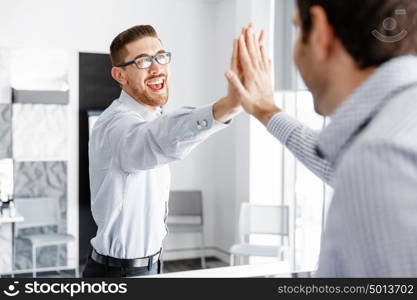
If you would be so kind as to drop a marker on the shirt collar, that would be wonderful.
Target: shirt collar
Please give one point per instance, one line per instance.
(362, 105)
(126, 99)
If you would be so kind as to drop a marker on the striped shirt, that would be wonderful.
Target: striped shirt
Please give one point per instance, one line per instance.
(368, 154)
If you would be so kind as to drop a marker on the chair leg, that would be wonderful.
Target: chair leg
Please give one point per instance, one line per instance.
(232, 259)
(161, 260)
(77, 265)
(57, 256)
(203, 262)
(203, 252)
(33, 261)
(13, 250)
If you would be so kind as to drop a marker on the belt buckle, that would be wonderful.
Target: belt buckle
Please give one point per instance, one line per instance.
(110, 261)
(151, 261)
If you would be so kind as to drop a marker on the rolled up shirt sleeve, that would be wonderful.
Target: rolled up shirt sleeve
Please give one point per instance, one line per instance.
(143, 145)
(301, 141)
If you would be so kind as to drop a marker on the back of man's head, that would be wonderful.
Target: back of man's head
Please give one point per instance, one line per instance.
(372, 31)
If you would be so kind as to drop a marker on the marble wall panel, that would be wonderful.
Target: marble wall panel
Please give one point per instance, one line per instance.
(40, 132)
(5, 131)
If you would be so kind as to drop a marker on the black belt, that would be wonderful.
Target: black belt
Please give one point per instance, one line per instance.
(126, 263)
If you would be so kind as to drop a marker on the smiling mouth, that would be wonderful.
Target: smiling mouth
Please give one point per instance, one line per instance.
(156, 84)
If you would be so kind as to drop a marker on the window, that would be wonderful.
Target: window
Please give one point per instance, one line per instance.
(288, 181)
(304, 190)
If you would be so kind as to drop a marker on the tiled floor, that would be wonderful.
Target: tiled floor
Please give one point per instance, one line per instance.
(192, 264)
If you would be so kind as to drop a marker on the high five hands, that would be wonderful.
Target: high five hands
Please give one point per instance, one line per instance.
(249, 78)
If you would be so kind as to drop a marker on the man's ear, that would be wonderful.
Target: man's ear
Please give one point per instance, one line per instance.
(322, 35)
(119, 75)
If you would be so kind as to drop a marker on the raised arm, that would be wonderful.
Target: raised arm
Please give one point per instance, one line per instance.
(301, 141)
(252, 84)
(144, 145)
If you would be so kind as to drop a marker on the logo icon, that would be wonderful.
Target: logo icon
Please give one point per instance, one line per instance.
(12, 291)
(391, 24)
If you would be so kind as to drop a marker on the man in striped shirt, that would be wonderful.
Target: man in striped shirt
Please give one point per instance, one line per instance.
(358, 58)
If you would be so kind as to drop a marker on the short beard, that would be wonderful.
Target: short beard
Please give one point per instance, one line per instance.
(150, 100)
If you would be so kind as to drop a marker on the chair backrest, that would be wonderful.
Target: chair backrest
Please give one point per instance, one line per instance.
(263, 219)
(185, 207)
(37, 211)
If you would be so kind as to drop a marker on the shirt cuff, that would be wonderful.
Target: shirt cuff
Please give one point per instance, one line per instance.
(203, 119)
(281, 125)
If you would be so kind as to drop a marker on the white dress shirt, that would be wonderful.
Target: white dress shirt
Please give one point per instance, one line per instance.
(129, 152)
(368, 154)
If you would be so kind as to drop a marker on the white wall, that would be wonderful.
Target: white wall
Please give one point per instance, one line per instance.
(237, 161)
(199, 33)
(248, 165)
(224, 144)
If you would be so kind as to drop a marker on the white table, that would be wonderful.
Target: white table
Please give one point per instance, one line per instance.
(275, 269)
(12, 220)
(280, 269)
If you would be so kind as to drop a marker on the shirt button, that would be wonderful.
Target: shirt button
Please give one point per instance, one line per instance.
(204, 123)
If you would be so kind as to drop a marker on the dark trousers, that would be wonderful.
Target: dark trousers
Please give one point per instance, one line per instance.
(95, 270)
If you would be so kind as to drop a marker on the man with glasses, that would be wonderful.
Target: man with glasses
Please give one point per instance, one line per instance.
(130, 148)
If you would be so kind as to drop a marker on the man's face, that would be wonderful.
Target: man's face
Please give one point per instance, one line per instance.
(148, 86)
(310, 70)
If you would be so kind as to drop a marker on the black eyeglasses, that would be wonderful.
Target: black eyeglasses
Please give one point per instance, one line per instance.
(145, 62)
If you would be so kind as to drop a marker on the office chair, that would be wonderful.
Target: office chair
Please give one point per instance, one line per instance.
(39, 212)
(261, 219)
(185, 215)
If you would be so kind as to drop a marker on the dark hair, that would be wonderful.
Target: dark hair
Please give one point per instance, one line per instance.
(129, 35)
(367, 28)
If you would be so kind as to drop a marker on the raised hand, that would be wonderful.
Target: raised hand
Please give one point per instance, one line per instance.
(230, 106)
(250, 76)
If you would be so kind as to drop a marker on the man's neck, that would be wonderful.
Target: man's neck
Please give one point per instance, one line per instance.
(151, 109)
(342, 87)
